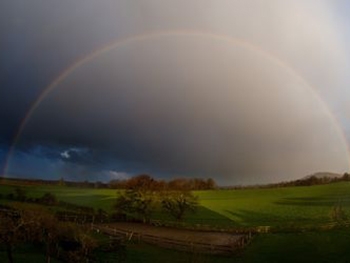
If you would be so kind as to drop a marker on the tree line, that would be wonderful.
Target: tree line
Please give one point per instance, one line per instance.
(174, 184)
(147, 181)
(309, 181)
(313, 180)
(189, 184)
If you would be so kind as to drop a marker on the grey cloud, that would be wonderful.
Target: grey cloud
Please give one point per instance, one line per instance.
(180, 104)
(193, 105)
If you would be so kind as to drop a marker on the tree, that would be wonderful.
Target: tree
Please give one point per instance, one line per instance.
(346, 177)
(211, 184)
(178, 203)
(135, 203)
(142, 182)
(180, 184)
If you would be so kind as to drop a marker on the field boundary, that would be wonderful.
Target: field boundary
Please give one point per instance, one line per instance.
(182, 245)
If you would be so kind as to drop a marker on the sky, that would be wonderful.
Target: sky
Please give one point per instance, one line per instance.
(242, 91)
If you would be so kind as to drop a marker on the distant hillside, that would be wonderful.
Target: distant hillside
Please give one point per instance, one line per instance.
(323, 175)
(316, 179)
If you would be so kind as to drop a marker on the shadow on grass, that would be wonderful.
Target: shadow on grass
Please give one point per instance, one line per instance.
(329, 201)
(206, 216)
(202, 216)
(253, 218)
(95, 200)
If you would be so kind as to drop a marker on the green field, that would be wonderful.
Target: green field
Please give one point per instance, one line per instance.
(279, 207)
(96, 198)
(250, 207)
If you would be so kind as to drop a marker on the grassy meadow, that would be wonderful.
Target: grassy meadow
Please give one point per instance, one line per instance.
(249, 207)
(278, 206)
(275, 207)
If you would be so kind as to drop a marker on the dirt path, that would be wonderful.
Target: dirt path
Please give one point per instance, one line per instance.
(212, 238)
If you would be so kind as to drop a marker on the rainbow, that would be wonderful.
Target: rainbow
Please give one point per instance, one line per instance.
(156, 35)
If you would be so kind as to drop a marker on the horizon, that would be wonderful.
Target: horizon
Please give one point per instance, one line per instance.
(167, 180)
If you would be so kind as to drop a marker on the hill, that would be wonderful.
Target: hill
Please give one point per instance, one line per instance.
(323, 175)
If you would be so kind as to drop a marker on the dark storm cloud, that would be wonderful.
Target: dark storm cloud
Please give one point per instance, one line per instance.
(175, 104)
(38, 40)
(189, 105)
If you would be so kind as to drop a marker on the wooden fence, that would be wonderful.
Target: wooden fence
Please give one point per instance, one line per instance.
(197, 247)
(211, 228)
(239, 244)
